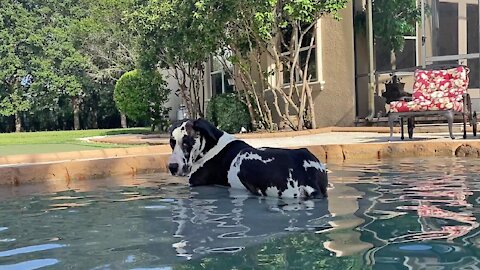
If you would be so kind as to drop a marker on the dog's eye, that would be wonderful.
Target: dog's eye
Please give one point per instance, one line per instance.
(172, 143)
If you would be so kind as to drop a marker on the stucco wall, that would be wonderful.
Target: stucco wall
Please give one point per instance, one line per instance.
(335, 104)
(174, 101)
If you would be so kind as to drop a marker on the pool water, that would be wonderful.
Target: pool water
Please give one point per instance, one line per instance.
(397, 214)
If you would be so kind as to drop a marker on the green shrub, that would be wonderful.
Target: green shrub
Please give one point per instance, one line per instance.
(141, 95)
(228, 113)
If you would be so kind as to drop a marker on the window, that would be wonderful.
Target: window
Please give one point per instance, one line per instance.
(220, 79)
(303, 54)
(405, 59)
(472, 45)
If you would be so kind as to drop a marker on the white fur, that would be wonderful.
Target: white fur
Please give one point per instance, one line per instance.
(308, 189)
(177, 155)
(272, 191)
(290, 192)
(314, 164)
(197, 149)
(232, 175)
(222, 142)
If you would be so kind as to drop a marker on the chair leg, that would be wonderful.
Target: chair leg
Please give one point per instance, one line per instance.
(401, 128)
(391, 118)
(474, 123)
(464, 126)
(449, 116)
(410, 126)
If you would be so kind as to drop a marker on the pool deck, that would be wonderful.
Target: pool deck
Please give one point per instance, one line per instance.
(331, 145)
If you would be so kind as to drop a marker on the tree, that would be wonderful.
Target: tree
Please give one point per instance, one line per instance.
(105, 37)
(19, 46)
(184, 34)
(141, 95)
(392, 20)
(56, 55)
(280, 30)
(177, 38)
(42, 63)
(228, 113)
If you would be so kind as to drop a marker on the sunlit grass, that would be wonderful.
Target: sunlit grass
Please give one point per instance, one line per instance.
(69, 136)
(59, 141)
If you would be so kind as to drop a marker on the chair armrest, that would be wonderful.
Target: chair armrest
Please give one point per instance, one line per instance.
(406, 98)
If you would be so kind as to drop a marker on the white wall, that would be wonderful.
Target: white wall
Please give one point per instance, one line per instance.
(174, 101)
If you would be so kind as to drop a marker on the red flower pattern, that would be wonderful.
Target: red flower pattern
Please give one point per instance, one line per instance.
(436, 90)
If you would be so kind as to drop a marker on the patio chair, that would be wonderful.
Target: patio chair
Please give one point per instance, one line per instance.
(440, 92)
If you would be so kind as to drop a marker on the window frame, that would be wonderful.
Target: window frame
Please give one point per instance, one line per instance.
(224, 75)
(416, 51)
(298, 79)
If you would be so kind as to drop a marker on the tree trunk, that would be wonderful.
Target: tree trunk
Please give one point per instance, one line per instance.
(94, 116)
(76, 113)
(393, 60)
(18, 122)
(123, 120)
(311, 107)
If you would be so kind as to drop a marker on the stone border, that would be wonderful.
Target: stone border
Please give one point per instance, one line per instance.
(95, 164)
(83, 155)
(152, 139)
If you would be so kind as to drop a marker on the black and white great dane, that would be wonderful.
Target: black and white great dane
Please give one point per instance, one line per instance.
(210, 156)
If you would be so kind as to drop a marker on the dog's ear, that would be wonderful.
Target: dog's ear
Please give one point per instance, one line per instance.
(189, 127)
(206, 129)
(176, 124)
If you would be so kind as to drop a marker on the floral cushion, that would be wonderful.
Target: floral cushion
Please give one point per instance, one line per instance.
(436, 90)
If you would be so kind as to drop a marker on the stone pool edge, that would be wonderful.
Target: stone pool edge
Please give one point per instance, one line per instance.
(98, 164)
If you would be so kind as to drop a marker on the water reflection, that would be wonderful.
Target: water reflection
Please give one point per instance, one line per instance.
(142, 226)
(218, 220)
(420, 215)
(409, 214)
(33, 264)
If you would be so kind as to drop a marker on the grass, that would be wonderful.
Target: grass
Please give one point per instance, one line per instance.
(58, 141)
(68, 136)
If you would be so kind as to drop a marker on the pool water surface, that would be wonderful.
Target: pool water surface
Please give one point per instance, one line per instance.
(394, 214)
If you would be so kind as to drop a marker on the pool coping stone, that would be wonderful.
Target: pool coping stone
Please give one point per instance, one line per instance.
(97, 164)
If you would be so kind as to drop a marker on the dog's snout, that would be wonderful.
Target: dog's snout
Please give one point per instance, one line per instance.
(173, 168)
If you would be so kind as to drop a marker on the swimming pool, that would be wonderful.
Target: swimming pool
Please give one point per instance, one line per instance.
(397, 214)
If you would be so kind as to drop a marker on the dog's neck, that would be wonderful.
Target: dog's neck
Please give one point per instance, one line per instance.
(223, 141)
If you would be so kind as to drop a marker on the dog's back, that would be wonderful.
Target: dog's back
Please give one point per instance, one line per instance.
(279, 172)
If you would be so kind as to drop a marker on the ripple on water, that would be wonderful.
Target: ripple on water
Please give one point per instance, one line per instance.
(33, 264)
(167, 200)
(29, 249)
(154, 268)
(155, 207)
(386, 213)
(6, 240)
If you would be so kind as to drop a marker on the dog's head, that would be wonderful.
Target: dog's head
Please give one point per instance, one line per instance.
(190, 140)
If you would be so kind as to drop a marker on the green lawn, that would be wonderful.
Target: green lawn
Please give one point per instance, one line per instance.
(58, 141)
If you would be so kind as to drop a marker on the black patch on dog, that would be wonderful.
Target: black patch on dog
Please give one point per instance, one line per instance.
(277, 168)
